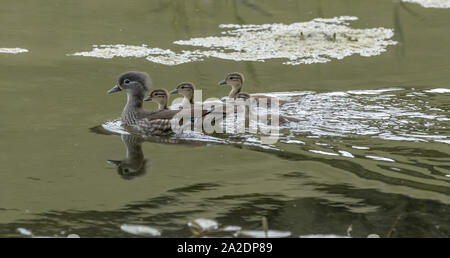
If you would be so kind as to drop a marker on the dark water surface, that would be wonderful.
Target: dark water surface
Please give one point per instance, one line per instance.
(374, 159)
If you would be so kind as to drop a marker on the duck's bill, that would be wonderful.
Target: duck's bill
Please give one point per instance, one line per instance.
(175, 91)
(148, 98)
(222, 82)
(114, 89)
(114, 162)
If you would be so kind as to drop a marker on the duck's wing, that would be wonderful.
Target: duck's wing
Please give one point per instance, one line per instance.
(160, 122)
(159, 114)
(154, 123)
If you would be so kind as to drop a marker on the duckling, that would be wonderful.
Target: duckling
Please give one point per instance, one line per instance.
(134, 117)
(160, 96)
(187, 90)
(236, 80)
(282, 119)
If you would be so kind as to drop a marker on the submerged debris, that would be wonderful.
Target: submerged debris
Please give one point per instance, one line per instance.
(204, 227)
(232, 228)
(25, 232)
(265, 226)
(393, 228)
(263, 234)
(140, 230)
(198, 226)
(349, 230)
(380, 158)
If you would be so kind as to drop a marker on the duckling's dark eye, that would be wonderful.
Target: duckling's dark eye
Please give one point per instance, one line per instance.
(126, 81)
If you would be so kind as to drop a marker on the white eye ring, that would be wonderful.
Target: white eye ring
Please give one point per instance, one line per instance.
(126, 81)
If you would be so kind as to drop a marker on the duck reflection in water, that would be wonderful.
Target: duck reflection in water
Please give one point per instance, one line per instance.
(134, 164)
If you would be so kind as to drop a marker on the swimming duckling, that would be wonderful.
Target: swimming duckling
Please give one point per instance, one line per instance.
(134, 117)
(159, 96)
(236, 80)
(244, 96)
(187, 90)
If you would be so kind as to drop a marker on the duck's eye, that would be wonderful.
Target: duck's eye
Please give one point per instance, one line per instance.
(126, 81)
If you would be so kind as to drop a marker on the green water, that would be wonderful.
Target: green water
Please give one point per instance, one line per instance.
(54, 171)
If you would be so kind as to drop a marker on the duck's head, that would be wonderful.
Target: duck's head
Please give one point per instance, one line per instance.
(159, 96)
(233, 79)
(186, 89)
(133, 83)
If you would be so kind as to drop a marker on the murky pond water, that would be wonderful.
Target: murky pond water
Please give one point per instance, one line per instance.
(372, 148)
